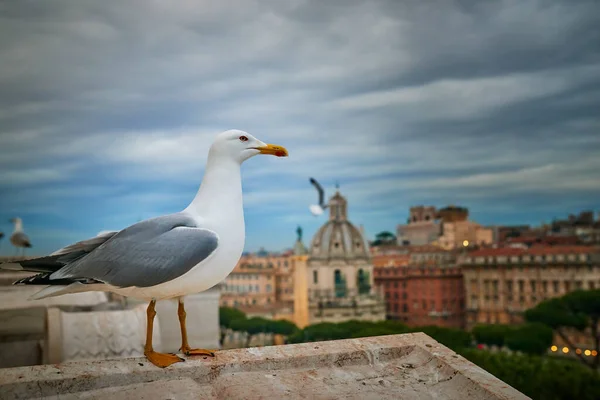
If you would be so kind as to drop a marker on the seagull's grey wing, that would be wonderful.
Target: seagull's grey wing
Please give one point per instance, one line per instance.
(146, 254)
(20, 239)
(320, 190)
(85, 245)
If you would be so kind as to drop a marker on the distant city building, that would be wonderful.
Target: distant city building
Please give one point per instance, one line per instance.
(584, 226)
(453, 214)
(501, 234)
(421, 227)
(464, 233)
(502, 283)
(422, 287)
(448, 227)
(338, 273)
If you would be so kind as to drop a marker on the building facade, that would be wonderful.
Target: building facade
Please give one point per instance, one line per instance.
(501, 284)
(427, 290)
(421, 228)
(259, 280)
(339, 271)
(448, 227)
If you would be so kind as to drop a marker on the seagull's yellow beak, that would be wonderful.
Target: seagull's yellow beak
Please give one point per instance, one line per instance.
(273, 150)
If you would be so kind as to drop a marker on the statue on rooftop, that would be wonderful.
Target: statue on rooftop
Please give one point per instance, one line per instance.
(299, 233)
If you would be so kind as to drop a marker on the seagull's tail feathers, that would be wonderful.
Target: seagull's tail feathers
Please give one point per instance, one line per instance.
(59, 290)
(316, 210)
(60, 258)
(40, 264)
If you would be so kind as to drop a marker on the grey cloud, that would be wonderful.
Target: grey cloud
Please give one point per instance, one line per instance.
(391, 97)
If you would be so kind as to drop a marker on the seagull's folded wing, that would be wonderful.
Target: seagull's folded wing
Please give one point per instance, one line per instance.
(146, 254)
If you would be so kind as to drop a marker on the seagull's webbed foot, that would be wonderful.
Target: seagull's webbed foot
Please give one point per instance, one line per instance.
(162, 360)
(196, 352)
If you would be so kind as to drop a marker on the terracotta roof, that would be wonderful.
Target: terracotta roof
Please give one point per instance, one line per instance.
(535, 250)
(428, 248)
(389, 260)
(563, 240)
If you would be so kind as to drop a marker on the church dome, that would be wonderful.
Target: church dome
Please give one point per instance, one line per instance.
(338, 239)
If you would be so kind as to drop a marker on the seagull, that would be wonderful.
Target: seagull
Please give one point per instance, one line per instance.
(19, 239)
(318, 209)
(164, 257)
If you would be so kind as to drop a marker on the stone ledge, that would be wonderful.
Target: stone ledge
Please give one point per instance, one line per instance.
(397, 366)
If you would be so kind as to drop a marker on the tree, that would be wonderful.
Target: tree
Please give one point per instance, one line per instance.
(576, 310)
(282, 327)
(454, 339)
(226, 316)
(492, 335)
(252, 326)
(545, 378)
(533, 338)
(384, 238)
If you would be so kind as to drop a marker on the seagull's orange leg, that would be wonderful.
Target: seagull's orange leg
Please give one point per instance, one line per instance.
(185, 347)
(159, 359)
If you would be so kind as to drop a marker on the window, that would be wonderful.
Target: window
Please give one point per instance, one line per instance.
(268, 288)
(315, 276)
(555, 286)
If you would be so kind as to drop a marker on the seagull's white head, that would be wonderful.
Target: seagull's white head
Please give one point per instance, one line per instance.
(240, 146)
(16, 220)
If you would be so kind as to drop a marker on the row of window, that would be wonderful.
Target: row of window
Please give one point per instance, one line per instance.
(492, 286)
(412, 270)
(245, 288)
(247, 277)
(244, 302)
(528, 258)
(426, 305)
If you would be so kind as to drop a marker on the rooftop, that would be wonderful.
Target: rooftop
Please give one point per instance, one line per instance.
(534, 251)
(410, 366)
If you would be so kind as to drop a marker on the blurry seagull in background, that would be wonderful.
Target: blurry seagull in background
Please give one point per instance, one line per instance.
(318, 209)
(19, 239)
(164, 257)
(1, 236)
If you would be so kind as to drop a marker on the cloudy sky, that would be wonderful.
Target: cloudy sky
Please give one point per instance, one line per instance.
(107, 109)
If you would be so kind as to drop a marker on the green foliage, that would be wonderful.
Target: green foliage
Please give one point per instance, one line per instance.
(252, 326)
(454, 339)
(555, 313)
(282, 327)
(227, 315)
(492, 335)
(384, 238)
(319, 332)
(534, 338)
(584, 303)
(579, 309)
(541, 378)
(346, 330)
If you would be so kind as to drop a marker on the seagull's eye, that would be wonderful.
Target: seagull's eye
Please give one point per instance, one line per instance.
(243, 139)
